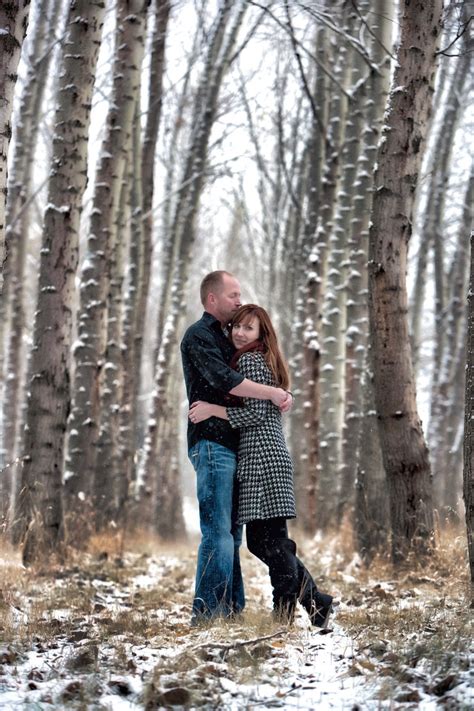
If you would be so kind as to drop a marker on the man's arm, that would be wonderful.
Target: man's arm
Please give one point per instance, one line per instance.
(247, 388)
(208, 360)
(254, 410)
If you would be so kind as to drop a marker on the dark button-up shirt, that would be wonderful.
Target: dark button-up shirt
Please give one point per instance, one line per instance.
(206, 352)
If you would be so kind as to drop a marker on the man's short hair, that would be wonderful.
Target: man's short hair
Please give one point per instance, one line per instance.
(211, 283)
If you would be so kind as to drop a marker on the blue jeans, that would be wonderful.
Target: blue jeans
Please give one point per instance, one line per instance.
(219, 585)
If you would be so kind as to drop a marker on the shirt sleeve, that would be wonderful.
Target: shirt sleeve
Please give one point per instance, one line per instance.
(253, 411)
(206, 357)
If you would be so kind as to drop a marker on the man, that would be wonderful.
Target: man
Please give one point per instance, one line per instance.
(212, 445)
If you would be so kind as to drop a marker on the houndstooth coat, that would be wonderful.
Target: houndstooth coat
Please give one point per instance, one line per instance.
(264, 467)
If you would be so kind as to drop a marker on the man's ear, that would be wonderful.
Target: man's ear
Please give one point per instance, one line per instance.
(211, 299)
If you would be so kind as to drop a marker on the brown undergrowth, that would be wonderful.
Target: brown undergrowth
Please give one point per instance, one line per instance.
(411, 626)
(412, 623)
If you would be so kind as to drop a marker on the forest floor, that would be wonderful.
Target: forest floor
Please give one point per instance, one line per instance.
(110, 630)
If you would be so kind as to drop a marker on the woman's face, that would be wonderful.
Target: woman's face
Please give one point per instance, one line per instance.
(245, 332)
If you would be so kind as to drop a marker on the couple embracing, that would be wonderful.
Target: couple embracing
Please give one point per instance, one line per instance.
(236, 382)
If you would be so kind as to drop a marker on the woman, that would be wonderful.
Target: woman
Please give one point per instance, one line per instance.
(264, 468)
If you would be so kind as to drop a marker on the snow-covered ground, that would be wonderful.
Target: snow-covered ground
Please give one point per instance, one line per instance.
(115, 635)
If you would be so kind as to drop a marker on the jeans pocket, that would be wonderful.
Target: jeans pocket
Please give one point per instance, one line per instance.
(221, 458)
(193, 455)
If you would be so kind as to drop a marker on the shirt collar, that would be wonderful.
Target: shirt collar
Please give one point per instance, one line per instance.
(211, 320)
(214, 323)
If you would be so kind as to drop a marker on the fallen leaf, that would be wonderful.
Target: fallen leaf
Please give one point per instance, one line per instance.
(444, 685)
(409, 695)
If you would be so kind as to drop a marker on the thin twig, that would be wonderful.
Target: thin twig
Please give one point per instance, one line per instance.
(371, 32)
(458, 36)
(315, 59)
(306, 88)
(239, 643)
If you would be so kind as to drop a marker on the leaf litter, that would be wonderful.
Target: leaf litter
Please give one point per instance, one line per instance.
(112, 632)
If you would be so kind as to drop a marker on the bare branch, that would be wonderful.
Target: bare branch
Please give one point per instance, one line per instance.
(327, 20)
(239, 643)
(459, 34)
(306, 89)
(315, 59)
(370, 31)
(250, 34)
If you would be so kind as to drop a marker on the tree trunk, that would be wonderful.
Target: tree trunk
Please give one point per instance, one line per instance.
(375, 96)
(419, 288)
(172, 195)
(342, 351)
(305, 336)
(167, 496)
(451, 376)
(334, 317)
(159, 12)
(12, 316)
(108, 472)
(40, 502)
(404, 449)
(468, 474)
(371, 516)
(89, 352)
(429, 212)
(13, 21)
(451, 492)
(132, 334)
(447, 305)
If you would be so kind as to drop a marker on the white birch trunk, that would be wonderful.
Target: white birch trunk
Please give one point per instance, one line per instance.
(423, 218)
(132, 335)
(159, 12)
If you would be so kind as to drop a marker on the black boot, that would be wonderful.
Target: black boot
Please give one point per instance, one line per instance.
(321, 609)
(284, 611)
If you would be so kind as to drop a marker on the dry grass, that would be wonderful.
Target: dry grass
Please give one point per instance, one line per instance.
(411, 625)
(31, 599)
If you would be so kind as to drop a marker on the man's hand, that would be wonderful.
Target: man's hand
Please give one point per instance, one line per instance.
(200, 411)
(282, 399)
(288, 404)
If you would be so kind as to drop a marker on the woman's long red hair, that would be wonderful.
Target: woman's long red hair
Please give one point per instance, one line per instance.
(268, 337)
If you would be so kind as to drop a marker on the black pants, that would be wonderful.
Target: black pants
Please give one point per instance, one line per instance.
(291, 582)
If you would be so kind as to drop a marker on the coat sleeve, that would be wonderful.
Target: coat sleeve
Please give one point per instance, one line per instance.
(253, 411)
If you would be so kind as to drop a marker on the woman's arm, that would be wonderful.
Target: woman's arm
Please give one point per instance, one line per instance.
(201, 350)
(201, 410)
(249, 388)
(252, 412)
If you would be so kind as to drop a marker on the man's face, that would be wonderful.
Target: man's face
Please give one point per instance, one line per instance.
(226, 299)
